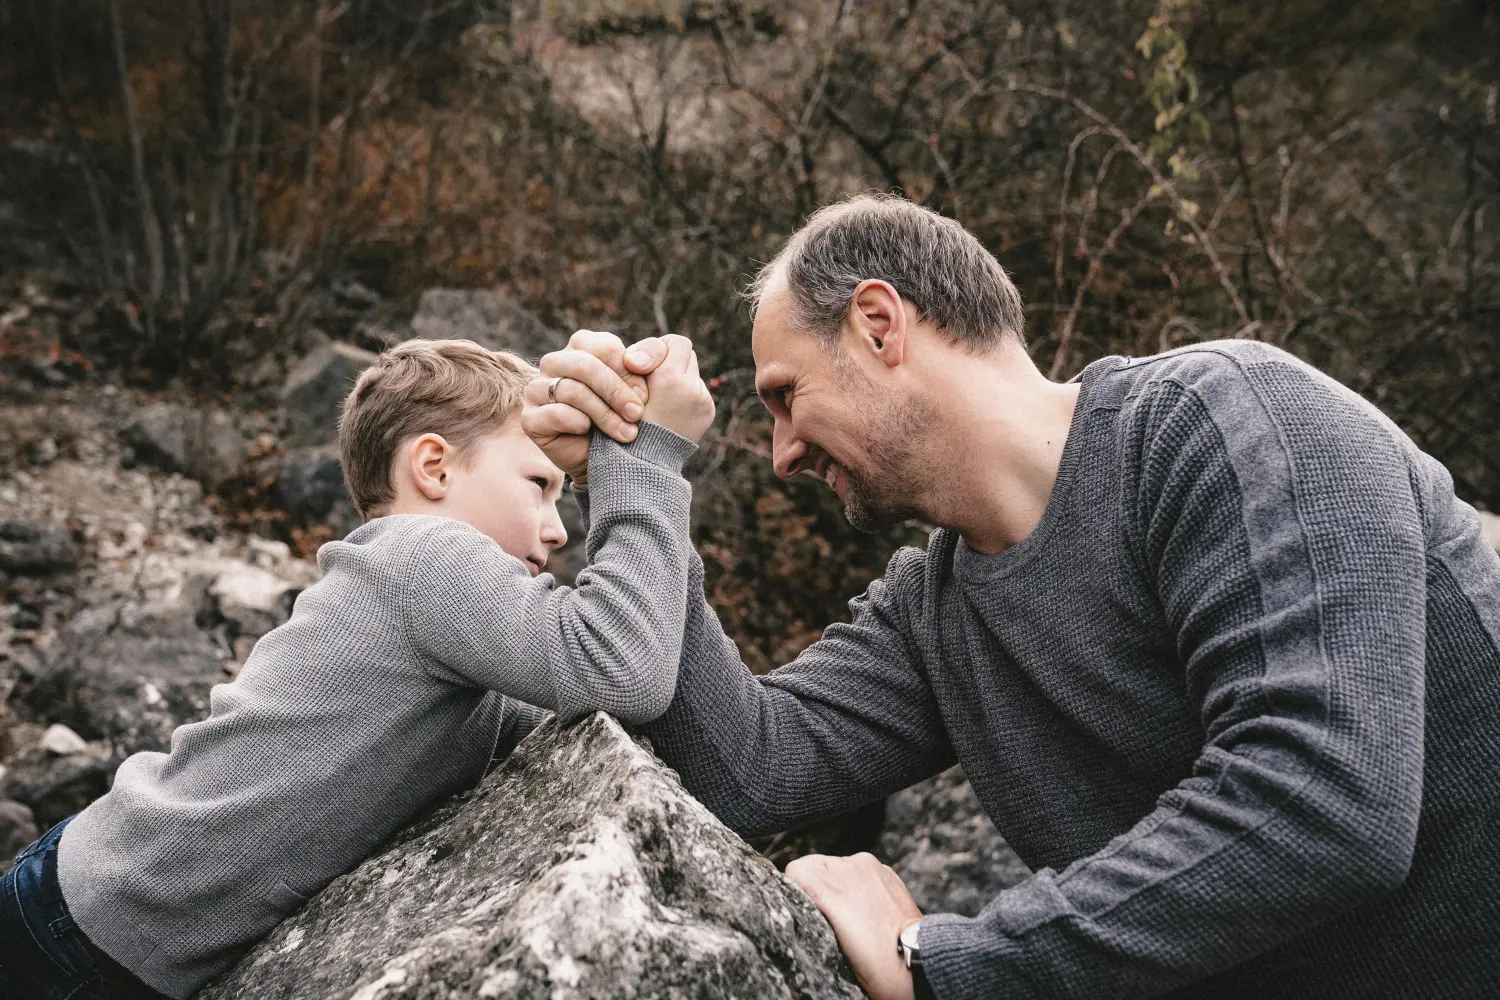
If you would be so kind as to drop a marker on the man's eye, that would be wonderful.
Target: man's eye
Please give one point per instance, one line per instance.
(785, 396)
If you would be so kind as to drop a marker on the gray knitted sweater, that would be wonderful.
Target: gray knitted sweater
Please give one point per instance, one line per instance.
(401, 674)
(1236, 701)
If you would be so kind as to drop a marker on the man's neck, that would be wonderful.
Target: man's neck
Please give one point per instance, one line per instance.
(1005, 425)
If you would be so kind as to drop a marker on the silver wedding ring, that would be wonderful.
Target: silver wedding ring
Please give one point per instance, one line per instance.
(552, 388)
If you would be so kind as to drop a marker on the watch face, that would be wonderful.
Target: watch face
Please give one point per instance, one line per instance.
(910, 943)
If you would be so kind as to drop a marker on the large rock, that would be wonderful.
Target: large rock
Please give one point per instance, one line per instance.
(30, 547)
(487, 318)
(17, 831)
(51, 785)
(580, 870)
(310, 486)
(941, 842)
(202, 444)
(315, 391)
(130, 669)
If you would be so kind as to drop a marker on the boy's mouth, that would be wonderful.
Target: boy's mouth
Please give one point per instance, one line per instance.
(536, 565)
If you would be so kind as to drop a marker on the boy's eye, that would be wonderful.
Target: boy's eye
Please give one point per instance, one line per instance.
(541, 482)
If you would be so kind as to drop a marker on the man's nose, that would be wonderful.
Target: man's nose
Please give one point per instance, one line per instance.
(554, 535)
(788, 451)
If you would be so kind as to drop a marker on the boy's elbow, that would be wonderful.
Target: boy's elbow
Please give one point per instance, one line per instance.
(650, 699)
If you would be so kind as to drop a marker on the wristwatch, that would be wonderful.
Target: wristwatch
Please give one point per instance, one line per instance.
(910, 950)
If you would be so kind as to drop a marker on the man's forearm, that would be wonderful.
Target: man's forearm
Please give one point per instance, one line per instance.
(848, 721)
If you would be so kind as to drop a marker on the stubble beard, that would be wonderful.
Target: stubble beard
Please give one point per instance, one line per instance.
(887, 490)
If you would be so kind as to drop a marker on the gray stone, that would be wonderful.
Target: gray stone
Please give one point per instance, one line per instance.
(310, 487)
(580, 869)
(130, 672)
(54, 787)
(17, 831)
(202, 444)
(941, 842)
(315, 391)
(485, 317)
(36, 548)
(61, 740)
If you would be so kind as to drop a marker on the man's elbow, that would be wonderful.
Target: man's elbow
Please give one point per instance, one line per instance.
(1382, 865)
(1377, 854)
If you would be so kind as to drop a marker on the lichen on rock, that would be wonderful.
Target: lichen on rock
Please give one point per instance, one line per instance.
(580, 869)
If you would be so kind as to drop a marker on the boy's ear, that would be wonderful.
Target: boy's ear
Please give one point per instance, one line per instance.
(428, 461)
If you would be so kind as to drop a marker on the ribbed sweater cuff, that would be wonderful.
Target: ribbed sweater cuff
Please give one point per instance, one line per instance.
(965, 959)
(659, 446)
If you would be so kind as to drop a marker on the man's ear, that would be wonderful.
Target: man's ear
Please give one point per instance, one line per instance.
(878, 317)
(429, 460)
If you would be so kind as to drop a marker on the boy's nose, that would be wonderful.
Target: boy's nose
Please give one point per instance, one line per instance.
(554, 535)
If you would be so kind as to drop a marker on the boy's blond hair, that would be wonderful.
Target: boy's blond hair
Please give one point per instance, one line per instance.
(450, 387)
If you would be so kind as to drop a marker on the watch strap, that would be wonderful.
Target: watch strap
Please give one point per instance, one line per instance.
(921, 988)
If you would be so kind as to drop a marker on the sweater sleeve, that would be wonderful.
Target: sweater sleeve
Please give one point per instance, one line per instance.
(610, 643)
(850, 720)
(1274, 516)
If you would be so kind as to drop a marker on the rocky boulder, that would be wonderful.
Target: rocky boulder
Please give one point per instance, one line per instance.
(17, 831)
(485, 317)
(30, 547)
(201, 444)
(315, 391)
(941, 842)
(580, 869)
(310, 488)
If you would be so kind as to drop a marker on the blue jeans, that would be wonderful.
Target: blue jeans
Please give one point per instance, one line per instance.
(43, 954)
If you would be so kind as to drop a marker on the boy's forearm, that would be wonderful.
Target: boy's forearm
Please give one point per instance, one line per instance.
(612, 642)
(620, 628)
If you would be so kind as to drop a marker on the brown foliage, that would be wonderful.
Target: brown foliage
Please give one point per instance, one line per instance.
(1321, 176)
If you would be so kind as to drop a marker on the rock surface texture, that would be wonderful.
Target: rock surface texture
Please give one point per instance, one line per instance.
(941, 842)
(579, 869)
(487, 318)
(315, 390)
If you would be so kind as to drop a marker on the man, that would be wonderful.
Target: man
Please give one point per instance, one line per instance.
(1214, 641)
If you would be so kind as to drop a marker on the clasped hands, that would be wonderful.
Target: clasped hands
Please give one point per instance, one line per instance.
(588, 384)
(596, 381)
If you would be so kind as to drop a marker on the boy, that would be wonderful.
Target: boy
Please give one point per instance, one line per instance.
(432, 645)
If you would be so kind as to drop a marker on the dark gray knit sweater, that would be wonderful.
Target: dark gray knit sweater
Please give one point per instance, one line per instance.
(1236, 700)
(417, 658)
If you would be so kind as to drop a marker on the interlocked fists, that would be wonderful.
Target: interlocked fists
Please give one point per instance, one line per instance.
(594, 381)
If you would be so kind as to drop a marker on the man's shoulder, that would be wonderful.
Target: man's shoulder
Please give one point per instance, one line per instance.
(1203, 365)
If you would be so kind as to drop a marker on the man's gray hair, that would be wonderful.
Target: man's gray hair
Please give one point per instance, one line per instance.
(933, 262)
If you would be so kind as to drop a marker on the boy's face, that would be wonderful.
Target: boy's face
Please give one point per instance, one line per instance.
(507, 489)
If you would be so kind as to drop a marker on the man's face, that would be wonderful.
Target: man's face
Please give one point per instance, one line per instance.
(836, 420)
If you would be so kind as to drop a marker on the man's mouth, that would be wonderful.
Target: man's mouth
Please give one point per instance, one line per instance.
(831, 473)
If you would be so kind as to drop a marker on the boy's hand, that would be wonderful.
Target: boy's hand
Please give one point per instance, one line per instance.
(676, 397)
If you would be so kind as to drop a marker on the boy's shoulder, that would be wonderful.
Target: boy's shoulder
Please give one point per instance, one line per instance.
(401, 536)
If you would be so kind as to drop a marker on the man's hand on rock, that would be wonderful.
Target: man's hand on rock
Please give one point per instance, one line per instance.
(868, 906)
